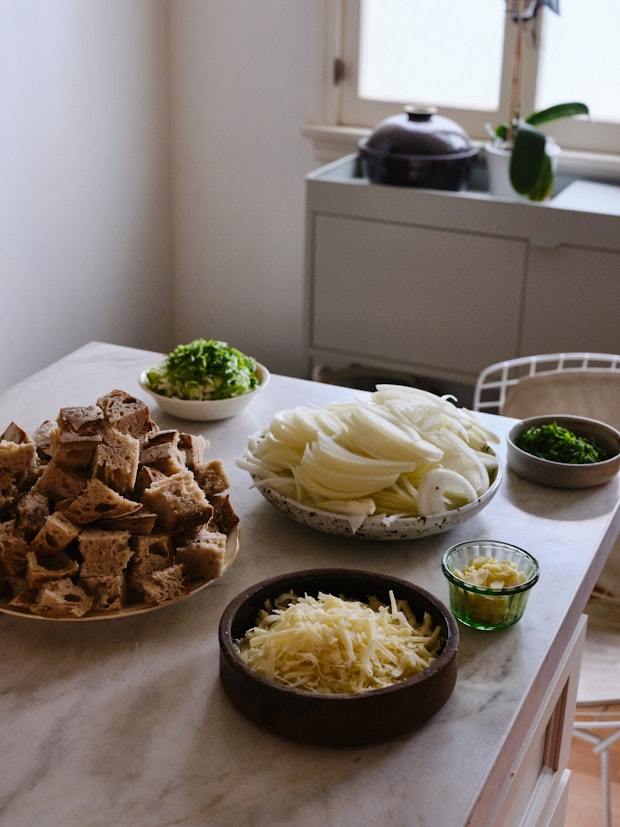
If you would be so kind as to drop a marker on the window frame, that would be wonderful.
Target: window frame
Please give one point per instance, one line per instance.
(341, 118)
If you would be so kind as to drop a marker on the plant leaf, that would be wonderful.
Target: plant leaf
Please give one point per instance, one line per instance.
(528, 158)
(560, 110)
(542, 188)
(502, 131)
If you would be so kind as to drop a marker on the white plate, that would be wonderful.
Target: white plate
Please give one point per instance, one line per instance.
(207, 410)
(232, 547)
(378, 527)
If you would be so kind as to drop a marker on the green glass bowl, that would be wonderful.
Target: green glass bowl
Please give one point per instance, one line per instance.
(482, 607)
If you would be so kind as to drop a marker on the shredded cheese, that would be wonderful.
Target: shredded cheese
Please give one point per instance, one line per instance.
(328, 644)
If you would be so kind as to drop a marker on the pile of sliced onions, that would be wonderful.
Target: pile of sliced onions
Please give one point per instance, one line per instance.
(399, 452)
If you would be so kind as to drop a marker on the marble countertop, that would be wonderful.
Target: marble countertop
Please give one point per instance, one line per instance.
(123, 721)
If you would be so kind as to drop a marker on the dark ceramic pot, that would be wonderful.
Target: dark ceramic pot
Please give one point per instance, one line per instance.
(418, 149)
(336, 720)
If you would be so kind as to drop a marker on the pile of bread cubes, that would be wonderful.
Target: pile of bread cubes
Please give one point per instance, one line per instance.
(101, 510)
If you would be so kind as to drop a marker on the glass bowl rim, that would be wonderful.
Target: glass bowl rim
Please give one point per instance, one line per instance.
(486, 590)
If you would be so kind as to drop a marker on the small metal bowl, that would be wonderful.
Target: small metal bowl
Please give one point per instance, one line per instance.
(209, 409)
(336, 719)
(483, 607)
(564, 474)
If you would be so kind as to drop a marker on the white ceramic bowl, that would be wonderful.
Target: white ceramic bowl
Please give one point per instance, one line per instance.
(207, 410)
(378, 527)
(564, 474)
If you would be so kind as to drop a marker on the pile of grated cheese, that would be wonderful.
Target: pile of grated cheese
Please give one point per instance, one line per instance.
(331, 645)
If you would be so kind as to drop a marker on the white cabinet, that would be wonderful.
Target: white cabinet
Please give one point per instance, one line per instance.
(536, 787)
(442, 284)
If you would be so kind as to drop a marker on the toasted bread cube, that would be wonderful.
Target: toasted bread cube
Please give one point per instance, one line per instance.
(61, 598)
(56, 533)
(126, 413)
(98, 501)
(43, 567)
(178, 501)
(104, 553)
(203, 554)
(116, 461)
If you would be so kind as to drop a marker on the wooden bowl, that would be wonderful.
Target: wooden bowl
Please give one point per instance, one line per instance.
(336, 719)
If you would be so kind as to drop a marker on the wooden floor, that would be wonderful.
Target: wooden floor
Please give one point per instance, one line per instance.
(584, 796)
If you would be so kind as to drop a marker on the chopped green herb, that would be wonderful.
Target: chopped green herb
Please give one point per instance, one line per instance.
(554, 442)
(204, 369)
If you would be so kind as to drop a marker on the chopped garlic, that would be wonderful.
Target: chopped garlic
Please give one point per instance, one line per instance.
(332, 645)
(490, 573)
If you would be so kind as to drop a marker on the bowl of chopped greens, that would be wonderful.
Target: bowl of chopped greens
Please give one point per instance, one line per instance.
(564, 451)
(204, 380)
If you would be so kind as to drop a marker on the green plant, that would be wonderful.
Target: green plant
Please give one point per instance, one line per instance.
(531, 173)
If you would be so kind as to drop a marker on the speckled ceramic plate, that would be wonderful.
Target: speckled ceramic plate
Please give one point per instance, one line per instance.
(378, 527)
(232, 548)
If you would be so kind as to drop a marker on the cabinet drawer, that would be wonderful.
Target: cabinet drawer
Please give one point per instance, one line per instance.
(415, 294)
(572, 300)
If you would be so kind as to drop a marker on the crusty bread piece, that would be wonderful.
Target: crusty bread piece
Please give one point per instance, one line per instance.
(61, 598)
(116, 461)
(72, 451)
(17, 461)
(109, 594)
(42, 438)
(140, 521)
(32, 509)
(58, 484)
(203, 554)
(22, 595)
(98, 501)
(178, 502)
(151, 553)
(160, 449)
(224, 518)
(7, 484)
(193, 447)
(126, 413)
(145, 478)
(56, 533)
(164, 585)
(82, 420)
(212, 477)
(79, 431)
(43, 567)
(13, 549)
(104, 553)
(13, 433)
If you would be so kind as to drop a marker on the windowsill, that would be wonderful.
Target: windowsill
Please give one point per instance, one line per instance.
(333, 142)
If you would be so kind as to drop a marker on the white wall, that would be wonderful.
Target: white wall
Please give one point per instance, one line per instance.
(243, 85)
(85, 244)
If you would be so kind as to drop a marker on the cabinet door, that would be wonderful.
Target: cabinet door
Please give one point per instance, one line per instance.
(424, 297)
(572, 301)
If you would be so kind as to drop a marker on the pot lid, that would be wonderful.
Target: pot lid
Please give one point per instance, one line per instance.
(418, 131)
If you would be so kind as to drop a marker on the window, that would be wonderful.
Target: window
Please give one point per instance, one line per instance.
(458, 56)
